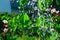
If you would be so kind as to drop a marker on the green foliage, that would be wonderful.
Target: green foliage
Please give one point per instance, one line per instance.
(22, 25)
(57, 26)
(18, 38)
(43, 4)
(53, 37)
(40, 21)
(58, 2)
(30, 38)
(27, 21)
(23, 2)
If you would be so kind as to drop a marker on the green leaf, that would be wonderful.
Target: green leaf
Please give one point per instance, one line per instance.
(40, 21)
(23, 2)
(26, 17)
(43, 4)
(57, 26)
(53, 37)
(18, 38)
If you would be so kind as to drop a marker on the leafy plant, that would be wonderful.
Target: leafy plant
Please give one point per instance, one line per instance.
(23, 3)
(43, 4)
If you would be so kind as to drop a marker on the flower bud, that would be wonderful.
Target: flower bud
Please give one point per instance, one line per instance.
(5, 21)
(5, 25)
(53, 10)
(5, 30)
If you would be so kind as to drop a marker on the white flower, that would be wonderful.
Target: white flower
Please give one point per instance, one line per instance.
(52, 29)
(53, 10)
(57, 12)
(5, 21)
(5, 30)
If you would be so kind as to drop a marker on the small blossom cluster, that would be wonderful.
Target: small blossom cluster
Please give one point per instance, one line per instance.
(53, 11)
(5, 26)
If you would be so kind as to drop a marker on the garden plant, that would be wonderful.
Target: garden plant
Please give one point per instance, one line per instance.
(38, 20)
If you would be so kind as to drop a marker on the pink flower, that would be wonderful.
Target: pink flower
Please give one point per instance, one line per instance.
(5, 25)
(5, 21)
(5, 30)
(53, 10)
